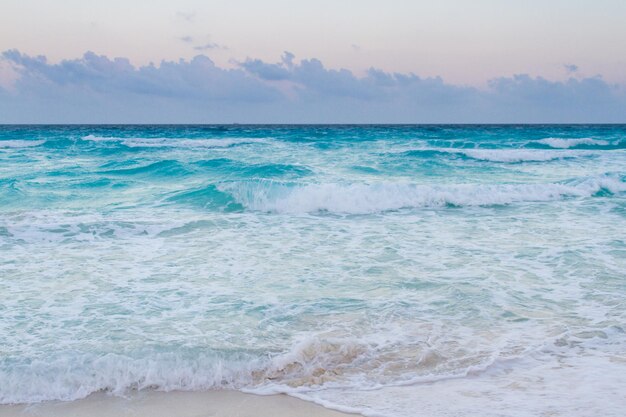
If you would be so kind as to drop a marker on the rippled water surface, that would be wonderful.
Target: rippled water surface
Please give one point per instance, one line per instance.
(390, 270)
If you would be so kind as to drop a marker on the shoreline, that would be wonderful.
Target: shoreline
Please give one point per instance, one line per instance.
(224, 403)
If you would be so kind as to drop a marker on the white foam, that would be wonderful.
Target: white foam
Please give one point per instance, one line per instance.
(315, 362)
(540, 384)
(564, 143)
(521, 155)
(371, 198)
(274, 277)
(176, 142)
(76, 376)
(18, 143)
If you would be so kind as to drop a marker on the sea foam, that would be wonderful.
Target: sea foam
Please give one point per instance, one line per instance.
(393, 271)
(19, 143)
(565, 143)
(380, 197)
(314, 361)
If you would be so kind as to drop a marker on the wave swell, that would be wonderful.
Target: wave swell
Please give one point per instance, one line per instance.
(176, 142)
(499, 155)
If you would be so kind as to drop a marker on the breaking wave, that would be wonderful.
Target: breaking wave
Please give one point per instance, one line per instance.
(20, 143)
(312, 362)
(580, 143)
(277, 197)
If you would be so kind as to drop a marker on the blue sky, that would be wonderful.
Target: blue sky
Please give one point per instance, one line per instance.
(348, 61)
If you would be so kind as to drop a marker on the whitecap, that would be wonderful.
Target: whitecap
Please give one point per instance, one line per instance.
(19, 143)
(564, 143)
(361, 198)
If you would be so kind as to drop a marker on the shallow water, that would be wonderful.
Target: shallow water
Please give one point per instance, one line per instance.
(389, 270)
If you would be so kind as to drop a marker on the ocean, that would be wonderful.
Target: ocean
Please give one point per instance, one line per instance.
(386, 270)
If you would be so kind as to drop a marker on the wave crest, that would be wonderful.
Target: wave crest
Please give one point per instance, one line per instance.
(580, 143)
(69, 378)
(277, 197)
(20, 143)
(312, 362)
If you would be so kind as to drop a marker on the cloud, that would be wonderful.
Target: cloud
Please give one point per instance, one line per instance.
(209, 45)
(8, 75)
(97, 89)
(204, 47)
(197, 78)
(287, 59)
(578, 100)
(571, 68)
(317, 82)
(268, 72)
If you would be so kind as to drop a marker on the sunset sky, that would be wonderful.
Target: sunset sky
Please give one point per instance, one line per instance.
(466, 48)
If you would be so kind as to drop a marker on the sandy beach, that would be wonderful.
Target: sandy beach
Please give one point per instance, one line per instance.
(180, 404)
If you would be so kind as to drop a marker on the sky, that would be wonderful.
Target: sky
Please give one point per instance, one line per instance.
(273, 61)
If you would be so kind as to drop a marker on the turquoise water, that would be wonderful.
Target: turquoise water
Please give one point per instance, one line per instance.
(391, 270)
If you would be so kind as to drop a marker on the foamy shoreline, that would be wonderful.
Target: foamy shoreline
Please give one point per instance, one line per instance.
(176, 403)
